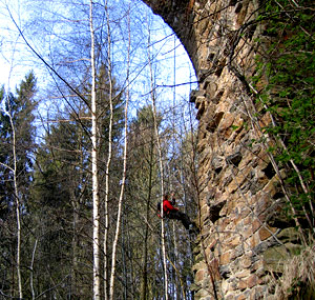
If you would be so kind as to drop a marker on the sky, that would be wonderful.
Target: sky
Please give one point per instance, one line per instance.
(14, 56)
(50, 37)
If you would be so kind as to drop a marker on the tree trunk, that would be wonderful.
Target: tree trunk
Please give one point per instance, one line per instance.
(123, 181)
(17, 203)
(109, 158)
(95, 194)
(160, 162)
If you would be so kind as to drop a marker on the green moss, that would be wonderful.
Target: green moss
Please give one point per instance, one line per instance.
(288, 68)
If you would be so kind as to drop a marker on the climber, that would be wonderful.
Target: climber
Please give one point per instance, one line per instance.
(171, 212)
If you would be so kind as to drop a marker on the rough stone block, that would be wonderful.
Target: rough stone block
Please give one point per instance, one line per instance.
(256, 224)
(245, 262)
(243, 273)
(261, 203)
(225, 258)
(266, 232)
(200, 275)
(254, 240)
(243, 296)
(225, 287)
(225, 129)
(201, 265)
(237, 252)
(202, 293)
(235, 241)
(222, 224)
(248, 282)
(238, 180)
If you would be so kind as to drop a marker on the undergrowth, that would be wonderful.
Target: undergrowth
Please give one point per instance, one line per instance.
(298, 278)
(288, 69)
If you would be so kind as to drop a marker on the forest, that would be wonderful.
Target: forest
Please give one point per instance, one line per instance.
(92, 136)
(96, 125)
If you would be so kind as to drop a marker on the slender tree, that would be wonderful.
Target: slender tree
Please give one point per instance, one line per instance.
(95, 192)
(17, 198)
(16, 134)
(124, 173)
(109, 157)
(161, 167)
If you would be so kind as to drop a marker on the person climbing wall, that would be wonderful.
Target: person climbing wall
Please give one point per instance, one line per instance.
(171, 212)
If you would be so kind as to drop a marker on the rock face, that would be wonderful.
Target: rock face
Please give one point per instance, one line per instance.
(242, 243)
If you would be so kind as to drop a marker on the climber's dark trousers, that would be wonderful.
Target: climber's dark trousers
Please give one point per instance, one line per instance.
(177, 215)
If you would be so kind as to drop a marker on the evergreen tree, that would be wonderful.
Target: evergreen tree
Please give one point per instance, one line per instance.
(17, 135)
(60, 209)
(21, 106)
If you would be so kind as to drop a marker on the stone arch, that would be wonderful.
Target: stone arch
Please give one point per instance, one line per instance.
(235, 181)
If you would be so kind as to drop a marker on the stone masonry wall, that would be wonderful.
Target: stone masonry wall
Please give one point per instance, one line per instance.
(244, 240)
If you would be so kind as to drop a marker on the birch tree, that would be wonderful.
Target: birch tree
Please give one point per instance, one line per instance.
(123, 180)
(158, 141)
(95, 192)
(13, 169)
(109, 156)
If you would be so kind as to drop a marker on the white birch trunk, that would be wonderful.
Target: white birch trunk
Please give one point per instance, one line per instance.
(17, 203)
(95, 194)
(109, 158)
(17, 208)
(32, 270)
(157, 136)
(14, 173)
(123, 181)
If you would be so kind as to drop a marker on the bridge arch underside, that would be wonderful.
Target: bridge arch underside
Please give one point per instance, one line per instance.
(245, 238)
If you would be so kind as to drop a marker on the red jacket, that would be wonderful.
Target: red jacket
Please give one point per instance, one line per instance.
(167, 207)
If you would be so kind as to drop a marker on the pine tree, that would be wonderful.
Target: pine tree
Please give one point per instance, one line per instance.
(21, 106)
(60, 208)
(17, 136)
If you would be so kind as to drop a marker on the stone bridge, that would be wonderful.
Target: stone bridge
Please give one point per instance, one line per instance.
(243, 234)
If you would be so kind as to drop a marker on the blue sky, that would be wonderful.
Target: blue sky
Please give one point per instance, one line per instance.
(16, 59)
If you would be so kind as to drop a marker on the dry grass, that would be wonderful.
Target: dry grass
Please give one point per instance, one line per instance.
(298, 278)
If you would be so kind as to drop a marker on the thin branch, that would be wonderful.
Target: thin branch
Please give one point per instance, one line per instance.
(45, 62)
(6, 166)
